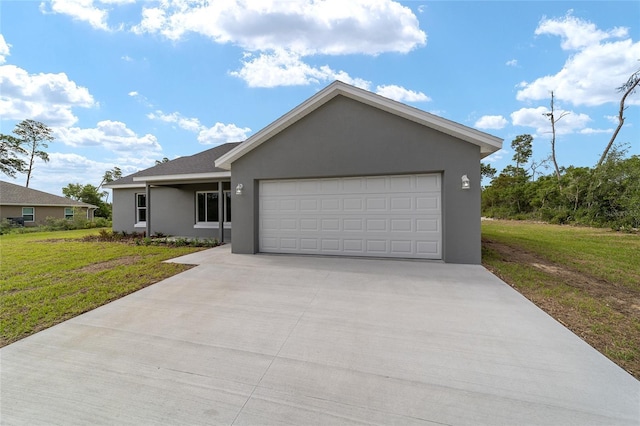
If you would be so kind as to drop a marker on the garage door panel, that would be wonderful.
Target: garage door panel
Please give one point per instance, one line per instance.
(353, 204)
(428, 247)
(288, 206)
(289, 243)
(330, 244)
(352, 246)
(428, 183)
(307, 205)
(402, 183)
(375, 184)
(400, 204)
(428, 225)
(352, 225)
(387, 216)
(309, 225)
(402, 247)
(330, 224)
(309, 244)
(330, 204)
(402, 225)
(352, 185)
(428, 204)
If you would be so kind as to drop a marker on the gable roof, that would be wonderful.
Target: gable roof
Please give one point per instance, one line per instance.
(16, 195)
(191, 168)
(488, 143)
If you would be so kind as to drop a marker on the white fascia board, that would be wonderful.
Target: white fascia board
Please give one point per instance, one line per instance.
(488, 143)
(124, 186)
(182, 177)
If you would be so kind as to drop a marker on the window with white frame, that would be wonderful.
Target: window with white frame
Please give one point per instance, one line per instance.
(141, 208)
(68, 213)
(29, 214)
(207, 208)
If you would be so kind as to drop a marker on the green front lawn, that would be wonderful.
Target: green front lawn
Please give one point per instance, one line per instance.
(49, 277)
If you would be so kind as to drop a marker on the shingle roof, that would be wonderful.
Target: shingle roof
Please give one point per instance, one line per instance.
(11, 194)
(202, 162)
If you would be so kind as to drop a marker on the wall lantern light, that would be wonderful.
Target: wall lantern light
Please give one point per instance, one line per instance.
(465, 182)
(239, 189)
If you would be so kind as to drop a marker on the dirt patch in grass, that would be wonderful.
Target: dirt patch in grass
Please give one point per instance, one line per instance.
(604, 314)
(103, 266)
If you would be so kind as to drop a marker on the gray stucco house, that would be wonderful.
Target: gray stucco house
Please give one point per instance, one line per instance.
(347, 172)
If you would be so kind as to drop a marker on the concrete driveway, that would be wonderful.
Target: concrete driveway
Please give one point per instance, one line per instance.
(252, 340)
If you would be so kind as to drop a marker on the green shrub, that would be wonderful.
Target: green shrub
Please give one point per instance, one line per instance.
(5, 227)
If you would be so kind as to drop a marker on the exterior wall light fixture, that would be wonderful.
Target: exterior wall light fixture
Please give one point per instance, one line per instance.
(239, 189)
(465, 182)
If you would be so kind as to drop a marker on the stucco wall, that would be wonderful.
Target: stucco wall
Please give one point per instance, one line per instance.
(41, 213)
(172, 211)
(348, 138)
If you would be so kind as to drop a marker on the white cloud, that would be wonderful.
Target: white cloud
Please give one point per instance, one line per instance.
(140, 98)
(80, 10)
(283, 68)
(217, 134)
(190, 124)
(306, 27)
(576, 33)
(110, 135)
(221, 133)
(4, 49)
(280, 33)
(536, 117)
(612, 119)
(590, 76)
(127, 58)
(400, 94)
(496, 156)
(65, 168)
(590, 131)
(44, 97)
(491, 122)
(512, 63)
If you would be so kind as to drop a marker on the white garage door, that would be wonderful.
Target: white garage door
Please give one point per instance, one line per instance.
(378, 216)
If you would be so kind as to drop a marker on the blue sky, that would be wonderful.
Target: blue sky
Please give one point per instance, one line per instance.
(124, 83)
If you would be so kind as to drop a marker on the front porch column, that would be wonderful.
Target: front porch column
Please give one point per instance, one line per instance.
(148, 200)
(220, 212)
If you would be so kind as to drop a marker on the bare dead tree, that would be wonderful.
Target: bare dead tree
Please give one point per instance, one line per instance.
(536, 164)
(626, 89)
(554, 120)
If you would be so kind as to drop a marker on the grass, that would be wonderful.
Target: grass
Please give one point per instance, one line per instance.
(49, 277)
(609, 255)
(586, 278)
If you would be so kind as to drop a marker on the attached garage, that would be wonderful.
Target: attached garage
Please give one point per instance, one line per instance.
(377, 216)
(351, 173)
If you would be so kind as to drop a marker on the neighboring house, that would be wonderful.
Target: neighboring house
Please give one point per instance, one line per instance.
(347, 172)
(30, 207)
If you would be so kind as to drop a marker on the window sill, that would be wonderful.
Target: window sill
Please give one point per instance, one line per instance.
(206, 225)
(140, 225)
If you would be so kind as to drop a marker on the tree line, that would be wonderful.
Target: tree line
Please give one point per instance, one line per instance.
(607, 194)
